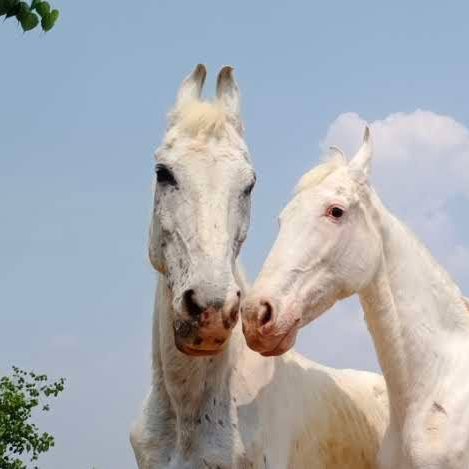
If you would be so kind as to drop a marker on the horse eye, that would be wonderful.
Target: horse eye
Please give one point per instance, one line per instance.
(335, 212)
(248, 189)
(164, 176)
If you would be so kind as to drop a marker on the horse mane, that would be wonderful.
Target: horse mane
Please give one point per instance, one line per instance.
(201, 117)
(316, 175)
(466, 302)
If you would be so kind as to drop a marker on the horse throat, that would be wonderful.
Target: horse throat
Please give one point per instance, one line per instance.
(190, 384)
(411, 306)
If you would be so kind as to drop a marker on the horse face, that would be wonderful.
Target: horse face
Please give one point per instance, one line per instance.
(327, 249)
(201, 216)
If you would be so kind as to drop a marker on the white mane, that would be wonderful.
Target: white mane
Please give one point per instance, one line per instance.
(201, 117)
(316, 175)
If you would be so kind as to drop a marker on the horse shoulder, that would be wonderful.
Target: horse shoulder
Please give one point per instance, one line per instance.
(357, 408)
(360, 416)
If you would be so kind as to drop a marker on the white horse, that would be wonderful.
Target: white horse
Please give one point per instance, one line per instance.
(213, 402)
(336, 239)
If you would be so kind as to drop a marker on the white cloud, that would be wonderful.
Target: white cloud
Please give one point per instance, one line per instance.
(423, 153)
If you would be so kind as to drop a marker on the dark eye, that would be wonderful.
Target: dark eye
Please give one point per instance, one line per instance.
(164, 176)
(249, 188)
(335, 212)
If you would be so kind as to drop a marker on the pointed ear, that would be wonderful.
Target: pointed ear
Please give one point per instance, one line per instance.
(227, 90)
(360, 165)
(191, 87)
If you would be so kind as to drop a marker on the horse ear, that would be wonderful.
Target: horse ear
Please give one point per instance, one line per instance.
(228, 91)
(360, 165)
(191, 87)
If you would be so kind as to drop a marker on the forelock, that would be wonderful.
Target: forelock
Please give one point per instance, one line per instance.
(200, 117)
(316, 175)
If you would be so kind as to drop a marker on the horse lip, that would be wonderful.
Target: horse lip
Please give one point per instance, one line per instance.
(194, 352)
(290, 333)
(198, 348)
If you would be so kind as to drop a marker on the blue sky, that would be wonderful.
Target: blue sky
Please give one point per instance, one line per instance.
(82, 110)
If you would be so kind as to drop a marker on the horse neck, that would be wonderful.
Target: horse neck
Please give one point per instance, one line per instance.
(411, 307)
(187, 383)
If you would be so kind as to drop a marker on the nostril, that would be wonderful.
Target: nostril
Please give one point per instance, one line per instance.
(266, 314)
(234, 313)
(238, 294)
(191, 304)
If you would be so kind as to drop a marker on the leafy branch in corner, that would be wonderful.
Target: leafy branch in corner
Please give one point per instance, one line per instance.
(20, 393)
(29, 15)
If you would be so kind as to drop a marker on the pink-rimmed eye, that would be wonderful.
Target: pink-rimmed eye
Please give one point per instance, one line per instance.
(335, 212)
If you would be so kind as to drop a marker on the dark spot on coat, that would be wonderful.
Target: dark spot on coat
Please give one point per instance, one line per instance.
(438, 408)
(207, 418)
(220, 422)
(182, 328)
(265, 461)
(214, 401)
(199, 421)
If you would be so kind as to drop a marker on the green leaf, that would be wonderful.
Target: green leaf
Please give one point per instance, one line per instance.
(23, 10)
(19, 394)
(43, 8)
(49, 20)
(30, 21)
(6, 6)
(12, 8)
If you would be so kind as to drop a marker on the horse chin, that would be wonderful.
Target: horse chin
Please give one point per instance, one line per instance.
(203, 343)
(276, 344)
(285, 344)
(198, 352)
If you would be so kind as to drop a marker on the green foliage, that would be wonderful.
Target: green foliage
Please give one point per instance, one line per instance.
(28, 15)
(20, 393)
